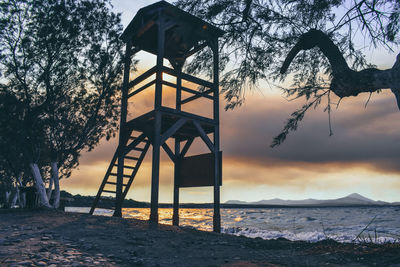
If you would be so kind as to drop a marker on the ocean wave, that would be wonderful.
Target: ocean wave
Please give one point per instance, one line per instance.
(313, 236)
(310, 225)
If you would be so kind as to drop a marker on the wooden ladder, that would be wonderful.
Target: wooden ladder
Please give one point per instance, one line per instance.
(133, 157)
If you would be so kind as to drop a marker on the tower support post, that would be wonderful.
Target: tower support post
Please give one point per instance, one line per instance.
(217, 169)
(157, 124)
(122, 133)
(175, 216)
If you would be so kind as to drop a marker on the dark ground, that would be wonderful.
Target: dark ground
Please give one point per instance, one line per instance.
(54, 238)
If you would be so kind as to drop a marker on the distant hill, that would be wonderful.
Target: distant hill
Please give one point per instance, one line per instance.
(104, 202)
(350, 200)
(109, 202)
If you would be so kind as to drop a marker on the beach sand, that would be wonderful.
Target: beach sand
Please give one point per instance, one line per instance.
(55, 238)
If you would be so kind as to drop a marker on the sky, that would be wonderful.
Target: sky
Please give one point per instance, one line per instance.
(362, 156)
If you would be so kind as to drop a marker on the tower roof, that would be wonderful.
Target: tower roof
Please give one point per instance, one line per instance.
(184, 31)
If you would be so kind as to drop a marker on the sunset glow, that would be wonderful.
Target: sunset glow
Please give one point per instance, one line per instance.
(362, 156)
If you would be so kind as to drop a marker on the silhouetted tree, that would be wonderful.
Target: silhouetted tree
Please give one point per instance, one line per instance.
(264, 36)
(61, 62)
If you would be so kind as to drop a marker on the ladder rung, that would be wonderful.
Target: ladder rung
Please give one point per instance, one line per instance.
(125, 175)
(138, 149)
(129, 167)
(135, 137)
(108, 191)
(132, 158)
(114, 183)
(126, 167)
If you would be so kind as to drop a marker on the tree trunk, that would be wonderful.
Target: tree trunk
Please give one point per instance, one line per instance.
(21, 195)
(23, 200)
(15, 198)
(50, 188)
(44, 201)
(54, 177)
(8, 194)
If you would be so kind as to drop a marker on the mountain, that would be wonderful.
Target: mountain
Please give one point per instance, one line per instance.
(359, 197)
(352, 199)
(278, 201)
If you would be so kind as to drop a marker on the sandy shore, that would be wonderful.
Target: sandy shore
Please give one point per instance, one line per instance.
(53, 238)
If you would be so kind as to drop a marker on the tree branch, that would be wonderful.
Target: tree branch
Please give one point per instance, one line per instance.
(345, 81)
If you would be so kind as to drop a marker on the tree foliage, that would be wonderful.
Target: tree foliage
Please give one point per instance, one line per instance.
(60, 69)
(260, 34)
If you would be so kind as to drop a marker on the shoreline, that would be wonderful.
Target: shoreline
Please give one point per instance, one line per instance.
(55, 238)
(109, 203)
(309, 226)
(247, 206)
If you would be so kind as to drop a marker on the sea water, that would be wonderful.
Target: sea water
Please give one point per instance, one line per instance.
(343, 224)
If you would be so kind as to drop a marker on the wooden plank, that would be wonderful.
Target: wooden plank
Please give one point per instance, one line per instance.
(175, 215)
(114, 183)
(142, 88)
(169, 152)
(129, 167)
(217, 160)
(202, 94)
(178, 89)
(186, 147)
(197, 93)
(187, 115)
(199, 170)
(125, 175)
(175, 127)
(134, 143)
(141, 78)
(131, 158)
(126, 167)
(108, 191)
(187, 77)
(204, 136)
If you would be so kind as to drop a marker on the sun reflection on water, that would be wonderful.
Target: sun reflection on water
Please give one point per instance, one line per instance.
(290, 223)
(197, 218)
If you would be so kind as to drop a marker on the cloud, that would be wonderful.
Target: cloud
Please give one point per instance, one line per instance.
(366, 141)
(370, 137)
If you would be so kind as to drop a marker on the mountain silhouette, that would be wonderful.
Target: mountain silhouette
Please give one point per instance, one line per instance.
(352, 199)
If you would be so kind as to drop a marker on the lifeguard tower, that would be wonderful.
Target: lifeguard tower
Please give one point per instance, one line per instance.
(173, 34)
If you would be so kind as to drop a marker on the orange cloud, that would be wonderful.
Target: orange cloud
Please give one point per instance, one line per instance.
(361, 155)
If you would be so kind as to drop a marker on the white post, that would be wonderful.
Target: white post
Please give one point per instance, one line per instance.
(55, 178)
(8, 194)
(22, 200)
(14, 200)
(21, 196)
(44, 201)
(50, 188)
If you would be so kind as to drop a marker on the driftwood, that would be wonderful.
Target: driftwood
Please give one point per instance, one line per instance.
(345, 81)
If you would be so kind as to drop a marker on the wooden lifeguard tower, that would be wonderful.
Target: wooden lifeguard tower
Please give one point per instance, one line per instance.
(173, 34)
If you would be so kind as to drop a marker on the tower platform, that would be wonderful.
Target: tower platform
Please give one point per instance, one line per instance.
(145, 123)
